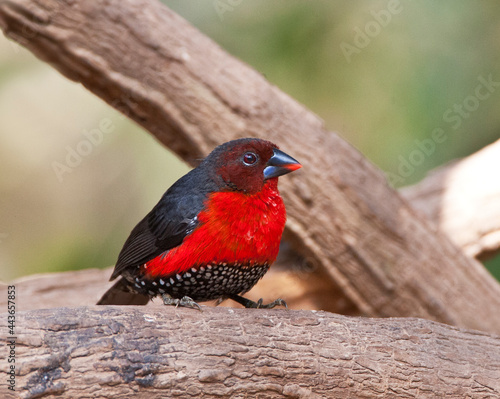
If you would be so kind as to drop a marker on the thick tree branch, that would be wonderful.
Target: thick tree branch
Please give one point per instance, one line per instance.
(463, 199)
(117, 352)
(343, 217)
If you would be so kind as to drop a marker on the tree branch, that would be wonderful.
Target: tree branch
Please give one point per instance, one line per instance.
(111, 352)
(463, 199)
(344, 219)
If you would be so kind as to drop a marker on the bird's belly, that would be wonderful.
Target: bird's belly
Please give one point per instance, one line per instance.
(205, 283)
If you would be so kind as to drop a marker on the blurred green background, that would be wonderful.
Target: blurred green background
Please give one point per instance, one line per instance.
(380, 73)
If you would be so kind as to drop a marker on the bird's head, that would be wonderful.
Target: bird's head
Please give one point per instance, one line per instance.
(247, 164)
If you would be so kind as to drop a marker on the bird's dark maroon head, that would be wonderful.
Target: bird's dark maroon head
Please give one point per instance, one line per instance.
(246, 164)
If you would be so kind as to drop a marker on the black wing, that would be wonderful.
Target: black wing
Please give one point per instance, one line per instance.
(166, 226)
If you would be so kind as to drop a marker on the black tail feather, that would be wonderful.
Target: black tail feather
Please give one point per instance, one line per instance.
(120, 294)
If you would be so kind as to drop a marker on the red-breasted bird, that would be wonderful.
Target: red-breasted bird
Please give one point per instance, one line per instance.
(213, 234)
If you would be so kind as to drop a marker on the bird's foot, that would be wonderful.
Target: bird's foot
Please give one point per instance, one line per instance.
(258, 305)
(185, 302)
(276, 302)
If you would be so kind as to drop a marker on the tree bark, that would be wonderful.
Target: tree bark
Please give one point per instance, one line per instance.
(344, 219)
(116, 352)
(463, 199)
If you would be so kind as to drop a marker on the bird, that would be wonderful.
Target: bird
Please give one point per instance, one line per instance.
(213, 234)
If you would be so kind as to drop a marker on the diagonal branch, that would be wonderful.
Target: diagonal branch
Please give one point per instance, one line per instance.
(343, 217)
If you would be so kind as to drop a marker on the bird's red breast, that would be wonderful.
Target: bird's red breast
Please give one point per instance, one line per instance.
(234, 227)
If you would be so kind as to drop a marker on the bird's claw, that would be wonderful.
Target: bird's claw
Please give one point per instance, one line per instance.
(257, 305)
(276, 302)
(185, 302)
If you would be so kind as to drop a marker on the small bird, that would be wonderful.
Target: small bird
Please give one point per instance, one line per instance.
(213, 234)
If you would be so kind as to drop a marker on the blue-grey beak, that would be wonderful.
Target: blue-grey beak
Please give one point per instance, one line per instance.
(280, 164)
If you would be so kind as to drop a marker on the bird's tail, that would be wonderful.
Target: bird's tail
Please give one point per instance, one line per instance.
(120, 294)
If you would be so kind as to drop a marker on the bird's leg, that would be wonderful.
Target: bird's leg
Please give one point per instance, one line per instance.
(185, 301)
(258, 305)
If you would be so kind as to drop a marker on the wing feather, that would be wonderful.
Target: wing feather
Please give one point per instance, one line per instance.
(165, 227)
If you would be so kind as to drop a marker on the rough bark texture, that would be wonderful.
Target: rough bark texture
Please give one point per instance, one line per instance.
(463, 200)
(104, 352)
(343, 217)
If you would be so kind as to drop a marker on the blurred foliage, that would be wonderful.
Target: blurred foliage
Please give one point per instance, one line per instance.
(420, 61)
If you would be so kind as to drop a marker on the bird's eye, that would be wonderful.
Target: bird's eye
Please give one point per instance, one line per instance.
(249, 158)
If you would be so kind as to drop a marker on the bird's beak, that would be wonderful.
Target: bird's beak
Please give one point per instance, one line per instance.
(280, 164)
